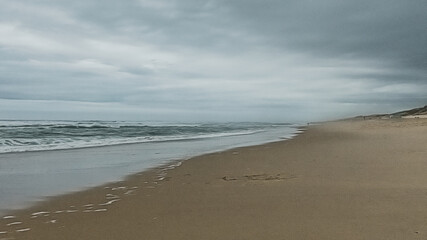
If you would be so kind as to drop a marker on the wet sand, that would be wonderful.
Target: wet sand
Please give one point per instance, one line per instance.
(342, 180)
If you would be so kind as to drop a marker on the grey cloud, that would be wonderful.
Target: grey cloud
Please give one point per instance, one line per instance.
(372, 29)
(216, 56)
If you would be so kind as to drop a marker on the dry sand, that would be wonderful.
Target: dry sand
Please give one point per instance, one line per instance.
(344, 180)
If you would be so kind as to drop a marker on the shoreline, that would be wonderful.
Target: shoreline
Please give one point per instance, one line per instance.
(341, 180)
(299, 129)
(33, 176)
(155, 173)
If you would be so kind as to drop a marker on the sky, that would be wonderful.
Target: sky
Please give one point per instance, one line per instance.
(216, 60)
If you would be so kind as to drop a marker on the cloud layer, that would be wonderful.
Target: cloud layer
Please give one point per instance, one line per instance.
(211, 60)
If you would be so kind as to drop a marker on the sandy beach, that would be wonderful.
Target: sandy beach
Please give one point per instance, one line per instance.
(340, 180)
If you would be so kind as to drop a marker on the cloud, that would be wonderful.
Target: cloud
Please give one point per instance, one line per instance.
(211, 60)
(367, 29)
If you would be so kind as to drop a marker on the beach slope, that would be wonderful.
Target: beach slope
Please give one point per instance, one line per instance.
(342, 180)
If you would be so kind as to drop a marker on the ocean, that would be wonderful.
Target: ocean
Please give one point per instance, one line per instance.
(23, 136)
(39, 159)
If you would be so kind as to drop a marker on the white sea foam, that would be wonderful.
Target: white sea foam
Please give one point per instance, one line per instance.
(109, 202)
(100, 210)
(111, 196)
(39, 213)
(12, 145)
(13, 223)
(129, 192)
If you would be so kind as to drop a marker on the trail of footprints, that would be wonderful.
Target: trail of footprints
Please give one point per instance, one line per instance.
(14, 225)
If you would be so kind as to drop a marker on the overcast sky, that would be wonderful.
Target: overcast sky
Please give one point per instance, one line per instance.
(218, 60)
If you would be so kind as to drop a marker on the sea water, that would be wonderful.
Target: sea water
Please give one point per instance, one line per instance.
(46, 158)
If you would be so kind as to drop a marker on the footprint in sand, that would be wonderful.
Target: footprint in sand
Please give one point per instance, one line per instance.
(258, 177)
